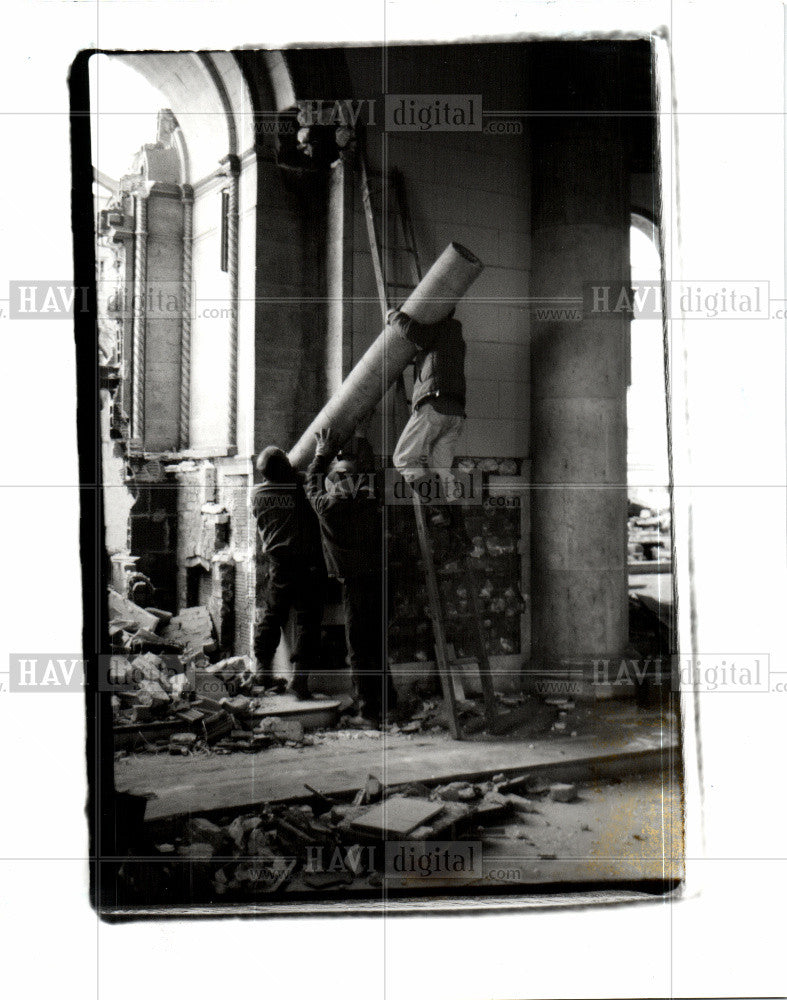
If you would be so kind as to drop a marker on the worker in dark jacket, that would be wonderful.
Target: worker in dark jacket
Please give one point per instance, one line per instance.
(350, 519)
(289, 538)
(427, 446)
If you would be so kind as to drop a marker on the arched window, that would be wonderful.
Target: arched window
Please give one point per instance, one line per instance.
(648, 468)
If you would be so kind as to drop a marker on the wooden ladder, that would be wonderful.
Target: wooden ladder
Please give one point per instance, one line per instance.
(386, 286)
(449, 667)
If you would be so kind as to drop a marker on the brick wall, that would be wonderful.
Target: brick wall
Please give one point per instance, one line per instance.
(212, 492)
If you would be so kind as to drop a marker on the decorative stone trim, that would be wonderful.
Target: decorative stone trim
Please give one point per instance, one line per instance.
(139, 320)
(231, 164)
(186, 305)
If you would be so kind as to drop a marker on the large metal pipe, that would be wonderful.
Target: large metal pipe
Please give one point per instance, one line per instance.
(437, 293)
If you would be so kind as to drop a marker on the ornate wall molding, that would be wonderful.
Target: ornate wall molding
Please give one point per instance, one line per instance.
(186, 306)
(139, 319)
(231, 164)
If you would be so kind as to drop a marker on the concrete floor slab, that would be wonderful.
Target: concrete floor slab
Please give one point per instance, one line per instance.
(340, 763)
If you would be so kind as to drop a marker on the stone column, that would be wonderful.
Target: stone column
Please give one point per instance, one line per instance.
(579, 378)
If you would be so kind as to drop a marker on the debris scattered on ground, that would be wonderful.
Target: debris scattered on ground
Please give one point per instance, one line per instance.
(129, 617)
(458, 791)
(328, 843)
(164, 684)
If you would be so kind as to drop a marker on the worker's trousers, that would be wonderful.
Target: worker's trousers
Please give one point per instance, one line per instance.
(288, 589)
(366, 624)
(428, 444)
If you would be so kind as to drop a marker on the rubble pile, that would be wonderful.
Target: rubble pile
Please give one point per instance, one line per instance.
(168, 695)
(328, 843)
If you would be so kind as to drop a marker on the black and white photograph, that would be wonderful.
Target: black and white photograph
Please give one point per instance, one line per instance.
(395, 499)
(386, 495)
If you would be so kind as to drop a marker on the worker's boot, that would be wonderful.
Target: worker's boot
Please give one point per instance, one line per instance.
(428, 489)
(299, 685)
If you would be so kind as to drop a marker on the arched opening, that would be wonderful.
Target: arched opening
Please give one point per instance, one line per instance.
(649, 508)
(172, 135)
(648, 467)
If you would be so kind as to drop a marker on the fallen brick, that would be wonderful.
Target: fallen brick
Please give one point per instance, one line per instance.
(492, 807)
(148, 666)
(191, 630)
(190, 715)
(232, 666)
(120, 670)
(562, 792)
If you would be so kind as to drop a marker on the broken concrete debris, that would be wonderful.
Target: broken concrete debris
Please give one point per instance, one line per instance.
(562, 792)
(130, 616)
(166, 678)
(191, 631)
(327, 844)
(458, 791)
(397, 816)
(169, 696)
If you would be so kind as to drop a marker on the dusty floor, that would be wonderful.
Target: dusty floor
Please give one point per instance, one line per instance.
(614, 830)
(622, 835)
(340, 760)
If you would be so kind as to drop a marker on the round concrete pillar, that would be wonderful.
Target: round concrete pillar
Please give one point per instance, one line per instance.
(580, 366)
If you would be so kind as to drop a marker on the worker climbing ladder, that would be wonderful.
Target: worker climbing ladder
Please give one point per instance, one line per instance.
(449, 668)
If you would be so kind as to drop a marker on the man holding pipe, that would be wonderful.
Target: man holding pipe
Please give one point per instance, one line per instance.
(289, 538)
(346, 504)
(426, 448)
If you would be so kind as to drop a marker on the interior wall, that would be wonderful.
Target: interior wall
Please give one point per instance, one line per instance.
(288, 363)
(472, 187)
